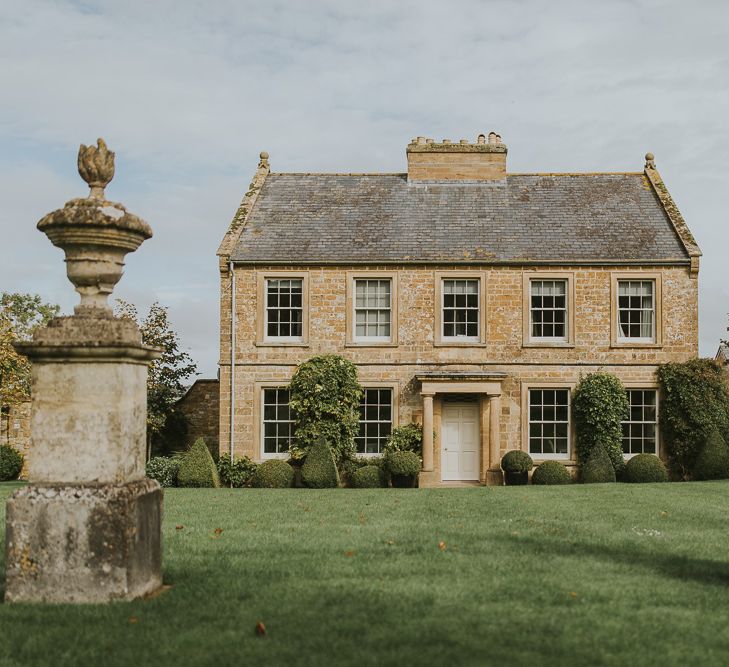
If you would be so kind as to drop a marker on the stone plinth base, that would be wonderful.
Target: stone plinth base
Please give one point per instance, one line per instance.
(82, 543)
(494, 478)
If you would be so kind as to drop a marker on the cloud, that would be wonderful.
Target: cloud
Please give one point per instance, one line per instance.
(188, 93)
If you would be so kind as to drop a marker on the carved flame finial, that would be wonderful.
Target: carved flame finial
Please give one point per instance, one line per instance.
(96, 166)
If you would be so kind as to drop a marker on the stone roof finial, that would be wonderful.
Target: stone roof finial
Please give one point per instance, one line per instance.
(264, 160)
(650, 161)
(96, 167)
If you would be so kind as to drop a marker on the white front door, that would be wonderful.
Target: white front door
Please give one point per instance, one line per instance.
(459, 442)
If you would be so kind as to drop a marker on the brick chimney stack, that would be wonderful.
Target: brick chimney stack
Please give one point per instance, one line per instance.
(484, 160)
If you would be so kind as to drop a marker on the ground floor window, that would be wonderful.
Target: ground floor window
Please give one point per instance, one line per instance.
(375, 421)
(278, 426)
(639, 430)
(549, 423)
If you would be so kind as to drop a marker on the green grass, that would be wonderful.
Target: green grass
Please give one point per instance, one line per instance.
(585, 575)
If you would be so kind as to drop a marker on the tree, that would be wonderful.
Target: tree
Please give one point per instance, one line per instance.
(166, 374)
(20, 316)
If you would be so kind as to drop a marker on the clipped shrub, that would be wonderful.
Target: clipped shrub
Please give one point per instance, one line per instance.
(197, 468)
(551, 472)
(516, 461)
(406, 438)
(11, 463)
(403, 468)
(319, 470)
(368, 477)
(324, 400)
(273, 474)
(350, 466)
(164, 469)
(713, 460)
(645, 468)
(599, 406)
(598, 468)
(237, 473)
(694, 402)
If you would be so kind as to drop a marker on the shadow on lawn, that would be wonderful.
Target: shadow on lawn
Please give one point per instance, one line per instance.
(672, 565)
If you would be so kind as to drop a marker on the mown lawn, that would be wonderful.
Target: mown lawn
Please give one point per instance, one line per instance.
(580, 575)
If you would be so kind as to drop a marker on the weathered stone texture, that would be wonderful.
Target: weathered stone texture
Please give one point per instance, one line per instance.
(83, 544)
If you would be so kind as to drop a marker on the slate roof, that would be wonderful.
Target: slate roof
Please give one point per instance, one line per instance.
(530, 218)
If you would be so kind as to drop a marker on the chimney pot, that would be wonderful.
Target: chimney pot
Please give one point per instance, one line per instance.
(421, 140)
(481, 139)
(446, 141)
(429, 141)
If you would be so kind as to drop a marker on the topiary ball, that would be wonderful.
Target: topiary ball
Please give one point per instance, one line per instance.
(645, 468)
(516, 461)
(368, 477)
(551, 472)
(403, 464)
(598, 468)
(319, 470)
(273, 474)
(713, 459)
(11, 463)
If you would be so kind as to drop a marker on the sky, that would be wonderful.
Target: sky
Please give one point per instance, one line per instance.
(188, 93)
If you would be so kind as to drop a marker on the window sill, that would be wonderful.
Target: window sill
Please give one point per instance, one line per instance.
(374, 343)
(283, 343)
(636, 344)
(558, 343)
(456, 343)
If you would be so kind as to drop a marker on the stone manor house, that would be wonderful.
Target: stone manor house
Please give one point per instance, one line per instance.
(471, 299)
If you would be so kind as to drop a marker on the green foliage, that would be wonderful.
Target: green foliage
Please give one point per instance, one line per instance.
(645, 468)
(273, 474)
(11, 463)
(20, 316)
(694, 402)
(403, 464)
(551, 472)
(350, 466)
(197, 467)
(713, 460)
(516, 461)
(368, 477)
(598, 468)
(599, 406)
(237, 473)
(406, 438)
(164, 469)
(324, 400)
(166, 374)
(319, 470)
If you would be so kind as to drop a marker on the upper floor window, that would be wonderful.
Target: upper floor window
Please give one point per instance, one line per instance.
(372, 309)
(637, 310)
(461, 315)
(277, 423)
(549, 423)
(548, 310)
(640, 429)
(375, 421)
(284, 311)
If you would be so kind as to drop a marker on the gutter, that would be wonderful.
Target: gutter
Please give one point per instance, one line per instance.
(232, 359)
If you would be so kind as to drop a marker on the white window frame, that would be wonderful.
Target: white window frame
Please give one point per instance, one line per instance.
(654, 389)
(371, 339)
(262, 426)
(284, 339)
(393, 417)
(550, 339)
(479, 314)
(654, 297)
(526, 402)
